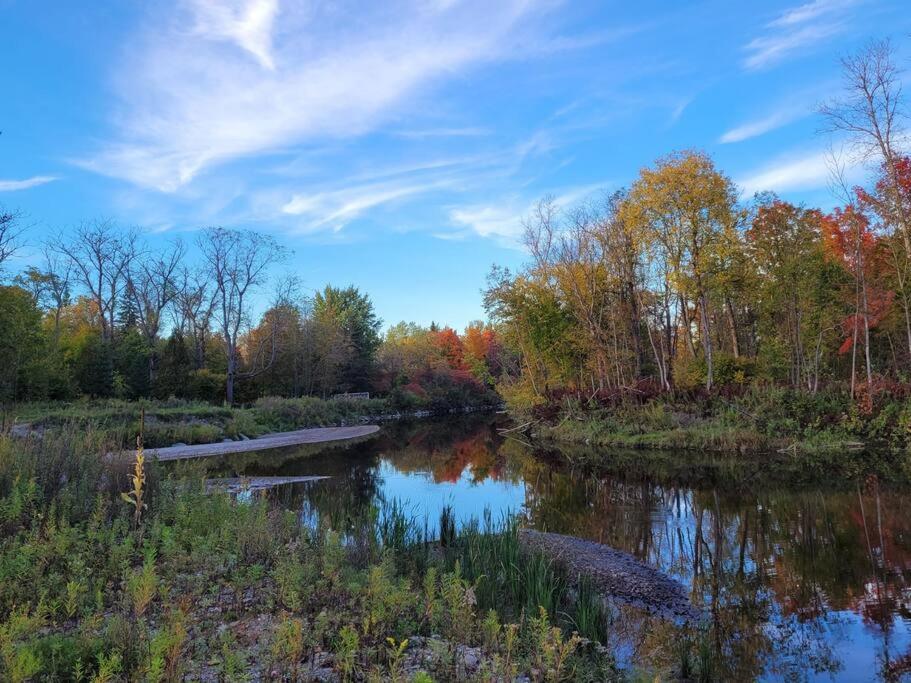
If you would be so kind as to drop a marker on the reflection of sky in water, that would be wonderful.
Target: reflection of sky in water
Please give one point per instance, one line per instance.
(425, 498)
(804, 648)
(792, 571)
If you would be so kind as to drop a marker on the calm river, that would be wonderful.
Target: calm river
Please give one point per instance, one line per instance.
(797, 583)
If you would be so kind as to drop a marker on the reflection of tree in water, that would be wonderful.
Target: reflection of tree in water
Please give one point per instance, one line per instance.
(344, 500)
(777, 570)
(772, 568)
(446, 450)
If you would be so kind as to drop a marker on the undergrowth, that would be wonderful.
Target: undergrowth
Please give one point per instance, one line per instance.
(204, 585)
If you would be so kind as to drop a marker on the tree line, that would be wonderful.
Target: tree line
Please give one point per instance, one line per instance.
(106, 315)
(676, 282)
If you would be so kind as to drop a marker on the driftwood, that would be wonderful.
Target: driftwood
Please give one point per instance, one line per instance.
(520, 428)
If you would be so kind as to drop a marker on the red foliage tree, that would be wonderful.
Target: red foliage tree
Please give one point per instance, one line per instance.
(449, 344)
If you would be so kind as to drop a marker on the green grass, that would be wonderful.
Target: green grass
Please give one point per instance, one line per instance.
(763, 420)
(206, 585)
(192, 422)
(176, 421)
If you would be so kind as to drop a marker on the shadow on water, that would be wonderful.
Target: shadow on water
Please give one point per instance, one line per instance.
(798, 582)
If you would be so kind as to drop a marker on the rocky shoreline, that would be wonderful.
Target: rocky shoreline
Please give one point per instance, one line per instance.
(616, 575)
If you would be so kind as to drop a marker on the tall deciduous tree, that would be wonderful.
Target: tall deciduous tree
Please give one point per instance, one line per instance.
(689, 212)
(352, 312)
(238, 263)
(798, 309)
(100, 255)
(10, 234)
(152, 286)
(871, 111)
(195, 308)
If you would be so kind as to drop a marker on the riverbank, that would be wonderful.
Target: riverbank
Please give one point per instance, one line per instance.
(192, 422)
(758, 421)
(194, 583)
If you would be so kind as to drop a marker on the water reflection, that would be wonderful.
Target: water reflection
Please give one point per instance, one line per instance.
(796, 584)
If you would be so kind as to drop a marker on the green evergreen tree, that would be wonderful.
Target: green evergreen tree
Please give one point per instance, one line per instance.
(174, 368)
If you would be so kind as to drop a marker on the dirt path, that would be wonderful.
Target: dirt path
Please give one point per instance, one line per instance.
(267, 442)
(616, 574)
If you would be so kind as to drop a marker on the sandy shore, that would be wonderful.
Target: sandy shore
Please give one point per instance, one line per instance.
(269, 441)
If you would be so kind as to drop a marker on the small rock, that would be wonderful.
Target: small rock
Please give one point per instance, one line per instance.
(20, 430)
(471, 659)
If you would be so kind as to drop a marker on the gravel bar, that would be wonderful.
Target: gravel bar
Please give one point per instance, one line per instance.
(616, 574)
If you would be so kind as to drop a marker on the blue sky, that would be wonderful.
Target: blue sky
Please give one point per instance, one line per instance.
(397, 145)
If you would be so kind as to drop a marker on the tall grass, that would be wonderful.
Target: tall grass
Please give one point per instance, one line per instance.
(84, 596)
(516, 581)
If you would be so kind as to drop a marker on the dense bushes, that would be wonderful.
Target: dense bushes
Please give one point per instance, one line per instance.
(441, 391)
(192, 422)
(737, 419)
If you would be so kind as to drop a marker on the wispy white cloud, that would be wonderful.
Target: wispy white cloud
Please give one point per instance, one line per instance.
(757, 127)
(797, 29)
(335, 208)
(803, 171)
(468, 132)
(810, 11)
(336, 203)
(245, 22)
(191, 100)
(503, 221)
(678, 109)
(500, 221)
(34, 181)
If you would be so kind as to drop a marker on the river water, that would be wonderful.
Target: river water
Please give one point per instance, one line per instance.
(797, 582)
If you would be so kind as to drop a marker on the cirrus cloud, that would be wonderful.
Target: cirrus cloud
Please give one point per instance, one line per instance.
(26, 183)
(191, 100)
(797, 29)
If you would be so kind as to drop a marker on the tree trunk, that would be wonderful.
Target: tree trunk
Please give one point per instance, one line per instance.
(684, 310)
(706, 342)
(732, 327)
(232, 371)
(867, 339)
(635, 329)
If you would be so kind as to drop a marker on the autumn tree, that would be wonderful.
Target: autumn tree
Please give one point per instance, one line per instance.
(871, 113)
(795, 282)
(688, 211)
(851, 241)
(541, 328)
(482, 351)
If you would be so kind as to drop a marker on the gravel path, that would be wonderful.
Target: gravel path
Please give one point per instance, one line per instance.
(269, 441)
(618, 575)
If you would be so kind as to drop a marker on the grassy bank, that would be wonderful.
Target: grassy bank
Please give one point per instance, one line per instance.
(759, 420)
(170, 582)
(192, 422)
